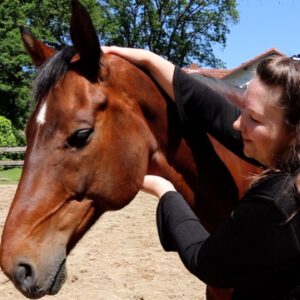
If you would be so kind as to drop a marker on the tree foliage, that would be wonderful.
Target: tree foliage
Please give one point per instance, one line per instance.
(180, 30)
(49, 21)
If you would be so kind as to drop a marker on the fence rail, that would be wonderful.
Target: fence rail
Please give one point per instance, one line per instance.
(12, 163)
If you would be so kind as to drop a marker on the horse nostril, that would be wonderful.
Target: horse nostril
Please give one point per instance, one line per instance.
(23, 275)
(23, 271)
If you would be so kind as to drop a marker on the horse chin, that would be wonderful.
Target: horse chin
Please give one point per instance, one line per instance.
(58, 279)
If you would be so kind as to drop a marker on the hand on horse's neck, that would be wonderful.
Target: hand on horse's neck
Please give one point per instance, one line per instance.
(158, 165)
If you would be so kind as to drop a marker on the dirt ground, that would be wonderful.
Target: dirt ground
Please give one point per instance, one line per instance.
(119, 258)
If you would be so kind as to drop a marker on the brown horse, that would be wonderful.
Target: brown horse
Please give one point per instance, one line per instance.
(100, 124)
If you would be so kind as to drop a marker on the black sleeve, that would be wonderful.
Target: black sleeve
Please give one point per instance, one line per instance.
(173, 215)
(245, 250)
(201, 108)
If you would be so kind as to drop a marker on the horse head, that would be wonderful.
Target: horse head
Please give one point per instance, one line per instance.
(88, 149)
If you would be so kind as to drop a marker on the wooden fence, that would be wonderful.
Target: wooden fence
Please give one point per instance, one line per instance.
(12, 163)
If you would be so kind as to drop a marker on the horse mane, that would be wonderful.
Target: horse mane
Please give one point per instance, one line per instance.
(51, 71)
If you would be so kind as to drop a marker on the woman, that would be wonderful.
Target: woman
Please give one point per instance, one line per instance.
(257, 251)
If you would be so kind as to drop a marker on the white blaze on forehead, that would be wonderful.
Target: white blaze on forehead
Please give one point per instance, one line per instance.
(41, 117)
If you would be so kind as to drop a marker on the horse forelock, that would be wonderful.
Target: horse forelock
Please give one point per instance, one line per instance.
(51, 71)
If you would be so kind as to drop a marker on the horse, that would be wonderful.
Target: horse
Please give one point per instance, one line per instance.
(99, 126)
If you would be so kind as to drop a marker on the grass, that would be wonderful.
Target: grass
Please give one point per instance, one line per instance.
(10, 176)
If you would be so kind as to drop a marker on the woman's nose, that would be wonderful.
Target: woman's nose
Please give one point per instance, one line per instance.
(237, 124)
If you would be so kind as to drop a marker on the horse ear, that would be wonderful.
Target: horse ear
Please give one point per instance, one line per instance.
(84, 37)
(38, 51)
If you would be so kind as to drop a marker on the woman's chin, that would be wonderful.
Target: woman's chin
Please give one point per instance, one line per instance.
(247, 151)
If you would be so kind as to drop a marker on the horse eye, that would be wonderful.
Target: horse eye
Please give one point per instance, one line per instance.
(80, 138)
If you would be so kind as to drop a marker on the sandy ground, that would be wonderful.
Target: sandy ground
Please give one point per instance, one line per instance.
(119, 258)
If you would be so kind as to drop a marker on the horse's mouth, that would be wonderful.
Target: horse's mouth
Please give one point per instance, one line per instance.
(58, 279)
(51, 287)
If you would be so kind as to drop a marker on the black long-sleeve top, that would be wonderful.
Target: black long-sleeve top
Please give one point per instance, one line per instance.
(257, 251)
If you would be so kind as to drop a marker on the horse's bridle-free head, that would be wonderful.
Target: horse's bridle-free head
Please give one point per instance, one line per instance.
(85, 155)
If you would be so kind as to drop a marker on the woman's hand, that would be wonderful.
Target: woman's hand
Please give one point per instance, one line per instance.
(157, 186)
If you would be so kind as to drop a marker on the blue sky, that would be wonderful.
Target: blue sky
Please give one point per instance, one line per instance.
(263, 24)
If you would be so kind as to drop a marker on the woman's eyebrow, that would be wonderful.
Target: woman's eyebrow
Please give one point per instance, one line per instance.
(253, 112)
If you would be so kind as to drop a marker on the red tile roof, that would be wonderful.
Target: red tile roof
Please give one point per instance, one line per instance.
(272, 51)
(215, 73)
(222, 73)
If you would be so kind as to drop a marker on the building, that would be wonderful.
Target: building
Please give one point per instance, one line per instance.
(238, 76)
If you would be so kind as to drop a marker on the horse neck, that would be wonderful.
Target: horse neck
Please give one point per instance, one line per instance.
(175, 156)
(171, 158)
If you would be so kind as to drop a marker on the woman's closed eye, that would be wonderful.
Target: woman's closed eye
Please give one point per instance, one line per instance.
(254, 119)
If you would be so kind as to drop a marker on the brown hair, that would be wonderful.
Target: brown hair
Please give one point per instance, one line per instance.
(284, 73)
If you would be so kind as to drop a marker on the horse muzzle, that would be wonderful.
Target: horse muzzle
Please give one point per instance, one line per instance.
(25, 277)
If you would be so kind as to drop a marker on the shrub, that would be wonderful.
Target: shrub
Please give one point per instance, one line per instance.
(7, 137)
(20, 137)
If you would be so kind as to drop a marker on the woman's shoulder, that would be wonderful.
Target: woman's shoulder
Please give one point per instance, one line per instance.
(268, 185)
(272, 198)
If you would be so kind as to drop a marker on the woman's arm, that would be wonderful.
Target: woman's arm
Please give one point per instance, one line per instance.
(161, 69)
(246, 249)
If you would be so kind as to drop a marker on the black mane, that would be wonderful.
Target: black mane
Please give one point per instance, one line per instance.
(51, 71)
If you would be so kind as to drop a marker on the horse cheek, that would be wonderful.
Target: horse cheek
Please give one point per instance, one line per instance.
(120, 177)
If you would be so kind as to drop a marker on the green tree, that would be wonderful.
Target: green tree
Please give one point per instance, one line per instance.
(49, 21)
(13, 84)
(180, 30)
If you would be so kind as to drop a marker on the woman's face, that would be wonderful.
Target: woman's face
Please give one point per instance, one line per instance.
(261, 124)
